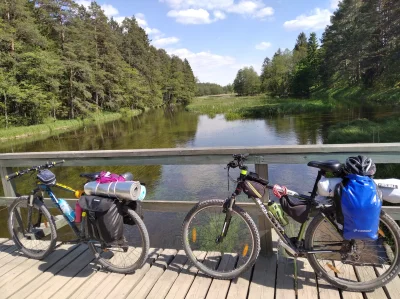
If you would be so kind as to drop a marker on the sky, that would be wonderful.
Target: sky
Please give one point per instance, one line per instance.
(219, 37)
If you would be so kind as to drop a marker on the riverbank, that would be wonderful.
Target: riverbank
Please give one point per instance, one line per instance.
(372, 96)
(261, 106)
(60, 126)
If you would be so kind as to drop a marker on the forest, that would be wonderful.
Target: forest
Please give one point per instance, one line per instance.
(360, 50)
(63, 61)
(206, 89)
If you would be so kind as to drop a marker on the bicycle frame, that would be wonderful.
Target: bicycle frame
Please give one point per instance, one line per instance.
(44, 188)
(286, 242)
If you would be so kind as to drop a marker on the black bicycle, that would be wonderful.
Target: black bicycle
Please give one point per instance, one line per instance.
(232, 241)
(34, 229)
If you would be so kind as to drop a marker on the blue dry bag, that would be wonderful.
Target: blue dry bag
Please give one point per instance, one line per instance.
(361, 207)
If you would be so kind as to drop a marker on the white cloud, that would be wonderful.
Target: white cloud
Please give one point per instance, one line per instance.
(263, 45)
(334, 4)
(119, 19)
(140, 19)
(265, 12)
(197, 12)
(109, 10)
(191, 16)
(219, 15)
(318, 19)
(209, 67)
(162, 42)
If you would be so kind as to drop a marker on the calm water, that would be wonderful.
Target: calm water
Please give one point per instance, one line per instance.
(167, 129)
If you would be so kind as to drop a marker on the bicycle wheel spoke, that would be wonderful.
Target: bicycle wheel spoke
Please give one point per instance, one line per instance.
(203, 233)
(359, 261)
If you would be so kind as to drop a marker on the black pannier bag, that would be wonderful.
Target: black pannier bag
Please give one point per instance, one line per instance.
(295, 208)
(46, 177)
(104, 220)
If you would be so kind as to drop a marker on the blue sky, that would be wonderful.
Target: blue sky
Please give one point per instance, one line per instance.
(219, 37)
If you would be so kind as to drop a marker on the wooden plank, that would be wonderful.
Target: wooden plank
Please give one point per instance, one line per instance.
(264, 276)
(185, 279)
(102, 290)
(129, 282)
(240, 285)
(284, 278)
(347, 272)
(202, 282)
(151, 277)
(368, 273)
(327, 291)
(28, 271)
(306, 280)
(73, 284)
(393, 287)
(90, 285)
(163, 285)
(52, 285)
(219, 288)
(40, 279)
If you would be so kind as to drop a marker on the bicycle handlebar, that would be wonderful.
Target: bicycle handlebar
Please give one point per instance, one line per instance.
(34, 168)
(238, 160)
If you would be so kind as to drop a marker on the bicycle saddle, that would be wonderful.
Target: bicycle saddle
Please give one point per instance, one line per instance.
(329, 165)
(90, 176)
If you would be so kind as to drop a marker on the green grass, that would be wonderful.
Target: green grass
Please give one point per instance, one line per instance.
(256, 106)
(356, 95)
(57, 126)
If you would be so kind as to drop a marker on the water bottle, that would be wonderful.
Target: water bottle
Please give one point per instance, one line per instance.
(78, 213)
(67, 210)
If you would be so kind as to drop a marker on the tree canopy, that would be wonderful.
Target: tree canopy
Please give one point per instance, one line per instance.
(360, 48)
(62, 60)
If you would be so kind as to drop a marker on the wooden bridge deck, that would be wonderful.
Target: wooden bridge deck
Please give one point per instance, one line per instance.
(71, 272)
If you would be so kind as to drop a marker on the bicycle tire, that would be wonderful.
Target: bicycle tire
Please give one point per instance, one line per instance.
(201, 266)
(108, 263)
(19, 203)
(360, 286)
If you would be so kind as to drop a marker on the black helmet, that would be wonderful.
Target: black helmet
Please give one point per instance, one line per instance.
(360, 165)
(128, 176)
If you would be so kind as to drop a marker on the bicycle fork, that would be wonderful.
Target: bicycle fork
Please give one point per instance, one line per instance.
(227, 209)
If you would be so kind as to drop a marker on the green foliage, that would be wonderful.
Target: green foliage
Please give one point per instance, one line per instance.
(62, 60)
(256, 106)
(360, 49)
(207, 89)
(246, 82)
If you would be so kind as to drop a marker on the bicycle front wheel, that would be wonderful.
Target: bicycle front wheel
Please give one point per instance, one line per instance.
(226, 258)
(129, 253)
(360, 265)
(32, 228)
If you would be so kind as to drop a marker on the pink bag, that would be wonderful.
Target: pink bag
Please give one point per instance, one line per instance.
(108, 177)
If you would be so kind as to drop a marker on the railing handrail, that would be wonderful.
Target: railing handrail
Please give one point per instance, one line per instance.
(282, 154)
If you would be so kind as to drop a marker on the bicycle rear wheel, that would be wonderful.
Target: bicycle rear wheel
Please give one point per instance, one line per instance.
(126, 255)
(361, 266)
(225, 259)
(32, 228)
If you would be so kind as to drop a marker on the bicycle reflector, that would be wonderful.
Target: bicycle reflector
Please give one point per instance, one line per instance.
(245, 250)
(333, 268)
(194, 235)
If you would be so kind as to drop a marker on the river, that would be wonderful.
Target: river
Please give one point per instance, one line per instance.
(168, 129)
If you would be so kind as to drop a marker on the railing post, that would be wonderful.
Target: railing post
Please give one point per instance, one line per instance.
(263, 223)
(8, 186)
